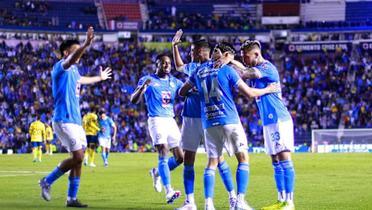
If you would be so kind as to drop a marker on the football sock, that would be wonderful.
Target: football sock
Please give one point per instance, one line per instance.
(209, 179)
(226, 176)
(289, 178)
(242, 177)
(279, 180)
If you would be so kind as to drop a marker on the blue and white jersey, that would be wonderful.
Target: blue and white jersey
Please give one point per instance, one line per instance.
(66, 94)
(160, 95)
(270, 106)
(105, 126)
(215, 90)
(191, 107)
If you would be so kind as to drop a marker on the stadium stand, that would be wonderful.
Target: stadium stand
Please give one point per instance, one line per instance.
(56, 14)
(315, 102)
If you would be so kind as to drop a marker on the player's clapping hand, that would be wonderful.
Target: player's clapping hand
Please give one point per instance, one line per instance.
(90, 37)
(105, 74)
(177, 38)
(274, 87)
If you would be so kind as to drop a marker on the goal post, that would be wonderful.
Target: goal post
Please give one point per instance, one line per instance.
(341, 140)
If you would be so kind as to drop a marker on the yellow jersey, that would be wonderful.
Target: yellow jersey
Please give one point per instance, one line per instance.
(48, 133)
(37, 131)
(90, 124)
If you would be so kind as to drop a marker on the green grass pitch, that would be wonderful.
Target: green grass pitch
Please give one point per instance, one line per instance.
(323, 181)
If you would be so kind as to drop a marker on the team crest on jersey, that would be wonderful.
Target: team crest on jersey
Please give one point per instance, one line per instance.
(270, 116)
(165, 98)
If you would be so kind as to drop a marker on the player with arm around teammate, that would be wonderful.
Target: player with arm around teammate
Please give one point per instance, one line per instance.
(67, 122)
(192, 133)
(221, 122)
(159, 91)
(277, 122)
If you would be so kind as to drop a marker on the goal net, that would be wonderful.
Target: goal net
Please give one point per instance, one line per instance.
(341, 140)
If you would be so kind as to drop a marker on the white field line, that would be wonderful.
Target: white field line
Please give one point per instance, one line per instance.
(12, 175)
(20, 173)
(25, 172)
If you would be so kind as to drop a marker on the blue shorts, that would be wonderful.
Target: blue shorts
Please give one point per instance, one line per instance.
(92, 139)
(36, 144)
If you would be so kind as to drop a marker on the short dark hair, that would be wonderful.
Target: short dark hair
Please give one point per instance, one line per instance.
(36, 116)
(101, 111)
(225, 47)
(67, 44)
(201, 43)
(160, 56)
(250, 44)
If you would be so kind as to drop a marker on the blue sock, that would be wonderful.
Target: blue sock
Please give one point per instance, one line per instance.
(242, 177)
(289, 175)
(54, 175)
(164, 171)
(209, 177)
(279, 177)
(73, 187)
(103, 156)
(107, 154)
(188, 178)
(172, 163)
(226, 176)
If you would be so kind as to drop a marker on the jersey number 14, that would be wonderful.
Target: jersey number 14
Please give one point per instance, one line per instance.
(213, 92)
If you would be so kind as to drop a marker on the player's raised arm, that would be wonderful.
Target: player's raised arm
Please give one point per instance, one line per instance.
(75, 56)
(254, 92)
(186, 87)
(138, 93)
(176, 53)
(103, 75)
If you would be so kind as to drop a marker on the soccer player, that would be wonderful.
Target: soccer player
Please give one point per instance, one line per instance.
(277, 122)
(91, 128)
(67, 124)
(104, 136)
(48, 139)
(37, 134)
(160, 90)
(190, 141)
(220, 120)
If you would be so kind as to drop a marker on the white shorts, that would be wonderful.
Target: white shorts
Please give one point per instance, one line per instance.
(104, 141)
(164, 130)
(231, 136)
(72, 136)
(192, 134)
(278, 137)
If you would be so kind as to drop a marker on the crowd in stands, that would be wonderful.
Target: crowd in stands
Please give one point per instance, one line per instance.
(35, 13)
(32, 6)
(321, 91)
(196, 21)
(337, 24)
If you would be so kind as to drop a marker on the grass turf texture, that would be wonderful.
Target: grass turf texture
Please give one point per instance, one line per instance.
(323, 181)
